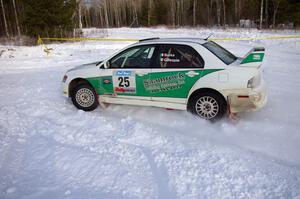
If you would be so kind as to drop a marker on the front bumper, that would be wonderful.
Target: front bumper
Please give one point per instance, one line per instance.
(65, 89)
(248, 99)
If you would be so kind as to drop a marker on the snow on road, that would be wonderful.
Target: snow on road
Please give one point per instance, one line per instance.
(49, 149)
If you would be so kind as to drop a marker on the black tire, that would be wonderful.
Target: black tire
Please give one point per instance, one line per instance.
(84, 97)
(208, 105)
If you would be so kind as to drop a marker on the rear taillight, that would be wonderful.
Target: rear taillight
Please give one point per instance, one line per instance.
(254, 82)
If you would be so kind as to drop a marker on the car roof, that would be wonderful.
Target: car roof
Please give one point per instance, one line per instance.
(155, 40)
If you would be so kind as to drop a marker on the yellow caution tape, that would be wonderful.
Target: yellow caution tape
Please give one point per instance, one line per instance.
(90, 39)
(47, 50)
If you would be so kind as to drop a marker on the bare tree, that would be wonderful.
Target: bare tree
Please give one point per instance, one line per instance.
(236, 9)
(224, 12)
(135, 13)
(16, 16)
(276, 6)
(4, 18)
(149, 12)
(267, 13)
(261, 14)
(79, 15)
(194, 12)
(106, 14)
(218, 12)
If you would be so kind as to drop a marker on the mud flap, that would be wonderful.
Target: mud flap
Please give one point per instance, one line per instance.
(232, 116)
(102, 104)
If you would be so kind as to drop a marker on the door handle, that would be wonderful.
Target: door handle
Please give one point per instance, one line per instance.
(192, 73)
(141, 73)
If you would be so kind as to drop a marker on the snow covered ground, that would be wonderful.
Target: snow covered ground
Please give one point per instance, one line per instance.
(49, 149)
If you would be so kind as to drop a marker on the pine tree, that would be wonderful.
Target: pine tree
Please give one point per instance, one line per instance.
(48, 17)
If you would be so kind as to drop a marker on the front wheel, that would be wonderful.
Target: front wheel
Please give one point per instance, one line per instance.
(208, 105)
(84, 97)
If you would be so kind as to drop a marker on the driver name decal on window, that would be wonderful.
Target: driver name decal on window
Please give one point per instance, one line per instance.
(168, 57)
(124, 81)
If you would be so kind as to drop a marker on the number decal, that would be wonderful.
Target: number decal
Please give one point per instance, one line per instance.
(127, 82)
(120, 79)
(124, 82)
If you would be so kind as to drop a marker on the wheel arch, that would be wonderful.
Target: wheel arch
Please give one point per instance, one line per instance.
(76, 82)
(204, 90)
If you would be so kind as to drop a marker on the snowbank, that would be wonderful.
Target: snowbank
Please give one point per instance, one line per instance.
(49, 149)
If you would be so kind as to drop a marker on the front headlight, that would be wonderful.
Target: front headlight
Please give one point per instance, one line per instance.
(254, 81)
(65, 78)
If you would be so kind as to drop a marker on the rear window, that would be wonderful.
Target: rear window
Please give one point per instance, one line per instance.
(223, 54)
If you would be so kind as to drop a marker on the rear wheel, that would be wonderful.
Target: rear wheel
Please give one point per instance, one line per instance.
(84, 97)
(208, 105)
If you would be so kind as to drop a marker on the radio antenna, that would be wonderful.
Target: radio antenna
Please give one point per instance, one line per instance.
(208, 36)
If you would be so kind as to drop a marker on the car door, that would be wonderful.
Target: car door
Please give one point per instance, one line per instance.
(178, 67)
(127, 73)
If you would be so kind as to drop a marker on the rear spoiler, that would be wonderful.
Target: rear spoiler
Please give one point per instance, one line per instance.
(254, 57)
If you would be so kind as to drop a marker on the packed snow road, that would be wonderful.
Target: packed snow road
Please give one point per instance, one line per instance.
(49, 149)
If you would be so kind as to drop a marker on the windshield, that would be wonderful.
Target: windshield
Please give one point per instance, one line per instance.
(223, 54)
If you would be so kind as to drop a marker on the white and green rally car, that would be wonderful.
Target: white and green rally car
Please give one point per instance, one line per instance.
(177, 73)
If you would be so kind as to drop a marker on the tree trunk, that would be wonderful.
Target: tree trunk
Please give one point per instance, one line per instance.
(236, 10)
(194, 13)
(276, 5)
(116, 13)
(173, 8)
(135, 14)
(219, 13)
(208, 15)
(267, 13)
(79, 15)
(224, 12)
(149, 12)
(261, 14)
(16, 16)
(106, 14)
(101, 19)
(4, 19)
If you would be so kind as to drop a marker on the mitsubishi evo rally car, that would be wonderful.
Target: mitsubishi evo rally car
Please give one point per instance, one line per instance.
(177, 73)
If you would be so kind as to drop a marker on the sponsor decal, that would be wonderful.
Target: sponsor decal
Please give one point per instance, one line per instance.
(256, 57)
(164, 84)
(106, 81)
(123, 73)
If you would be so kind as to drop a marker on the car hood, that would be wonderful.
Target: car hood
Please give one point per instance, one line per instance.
(85, 66)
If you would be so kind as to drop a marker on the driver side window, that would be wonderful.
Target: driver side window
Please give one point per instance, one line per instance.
(136, 57)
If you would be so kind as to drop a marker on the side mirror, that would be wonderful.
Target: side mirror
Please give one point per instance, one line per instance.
(104, 65)
(107, 64)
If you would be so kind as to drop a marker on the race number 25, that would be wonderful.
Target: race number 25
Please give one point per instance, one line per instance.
(124, 82)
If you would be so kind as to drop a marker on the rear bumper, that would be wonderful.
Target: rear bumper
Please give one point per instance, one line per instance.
(248, 99)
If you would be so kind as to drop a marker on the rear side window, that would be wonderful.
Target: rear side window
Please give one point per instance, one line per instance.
(178, 56)
(223, 54)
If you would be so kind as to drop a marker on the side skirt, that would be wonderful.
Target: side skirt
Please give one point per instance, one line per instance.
(141, 102)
